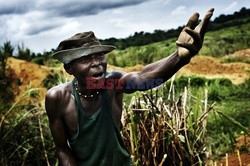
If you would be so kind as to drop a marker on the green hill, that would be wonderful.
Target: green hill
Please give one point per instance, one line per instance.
(217, 44)
(144, 38)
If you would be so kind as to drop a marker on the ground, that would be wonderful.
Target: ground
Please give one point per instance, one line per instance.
(233, 159)
(209, 67)
(32, 75)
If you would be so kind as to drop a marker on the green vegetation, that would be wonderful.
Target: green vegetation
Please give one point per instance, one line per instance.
(162, 128)
(235, 59)
(179, 120)
(187, 119)
(46, 59)
(227, 34)
(53, 80)
(25, 135)
(226, 41)
(141, 54)
(217, 44)
(139, 39)
(7, 81)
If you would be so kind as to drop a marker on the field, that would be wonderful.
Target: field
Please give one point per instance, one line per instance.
(203, 67)
(198, 117)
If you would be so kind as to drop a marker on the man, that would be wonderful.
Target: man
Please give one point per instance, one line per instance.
(84, 114)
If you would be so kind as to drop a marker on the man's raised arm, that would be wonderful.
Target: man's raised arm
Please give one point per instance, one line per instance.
(189, 43)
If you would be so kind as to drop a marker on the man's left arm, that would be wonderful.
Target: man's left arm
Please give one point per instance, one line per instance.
(189, 43)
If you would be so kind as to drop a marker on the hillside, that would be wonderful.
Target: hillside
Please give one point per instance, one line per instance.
(144, 38)
(32, 75)
(211, 67)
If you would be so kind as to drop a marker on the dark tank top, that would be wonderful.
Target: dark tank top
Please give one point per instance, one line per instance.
(98, 141)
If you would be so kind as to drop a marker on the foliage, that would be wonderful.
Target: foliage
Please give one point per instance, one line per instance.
(227, 34)
(236, 59)
(172, 125)
(46, 59)
(166, 129)
(24, 53)
(145, 38)
(25, 136)
(150, 115)
(53, 80)
(217, 43)
(232, 102)
(24, 130)
(7, 80)
(226, 41)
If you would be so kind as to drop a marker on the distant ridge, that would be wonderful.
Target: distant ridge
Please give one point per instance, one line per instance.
(144, 38)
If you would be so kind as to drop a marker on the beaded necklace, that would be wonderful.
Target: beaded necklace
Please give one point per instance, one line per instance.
(85, 96)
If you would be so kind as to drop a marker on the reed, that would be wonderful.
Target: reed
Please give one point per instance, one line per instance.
(170, 130)
(25, 137)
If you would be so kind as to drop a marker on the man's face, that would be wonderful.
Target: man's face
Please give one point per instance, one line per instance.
(93, 66)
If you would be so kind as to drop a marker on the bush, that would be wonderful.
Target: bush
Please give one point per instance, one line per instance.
(53, 80)
(25, 135)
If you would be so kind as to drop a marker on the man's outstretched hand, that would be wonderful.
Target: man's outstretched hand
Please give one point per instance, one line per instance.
(191, 38)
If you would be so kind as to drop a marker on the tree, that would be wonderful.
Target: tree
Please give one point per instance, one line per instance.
(24, 53)
(6, 77)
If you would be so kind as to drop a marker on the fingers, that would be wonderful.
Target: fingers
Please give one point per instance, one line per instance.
(189, 46)
(195, 35)
(192, 21)
(202, 27)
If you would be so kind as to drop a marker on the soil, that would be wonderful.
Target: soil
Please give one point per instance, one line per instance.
(32, 75)
(210, 67)
(233, 158)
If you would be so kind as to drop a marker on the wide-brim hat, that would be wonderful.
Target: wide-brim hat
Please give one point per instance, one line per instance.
(79, 45)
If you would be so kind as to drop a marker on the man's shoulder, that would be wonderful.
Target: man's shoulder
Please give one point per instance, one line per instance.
(57, 92)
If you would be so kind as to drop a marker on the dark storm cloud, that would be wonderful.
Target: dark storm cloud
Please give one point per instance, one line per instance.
(80, 8)
(34, 30)
(50, 9)
(17, 7)
(63, 8)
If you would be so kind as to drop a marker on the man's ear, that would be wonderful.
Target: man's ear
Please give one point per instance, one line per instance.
(68, 68)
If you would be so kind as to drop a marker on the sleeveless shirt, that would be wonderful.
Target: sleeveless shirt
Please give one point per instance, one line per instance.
(98, 141)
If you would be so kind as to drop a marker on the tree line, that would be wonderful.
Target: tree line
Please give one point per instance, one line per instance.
(138, 39)
(144, 38)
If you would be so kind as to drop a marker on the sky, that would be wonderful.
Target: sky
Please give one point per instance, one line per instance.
(40, 25)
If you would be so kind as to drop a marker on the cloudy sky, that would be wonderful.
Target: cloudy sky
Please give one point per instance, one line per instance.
(42, 24)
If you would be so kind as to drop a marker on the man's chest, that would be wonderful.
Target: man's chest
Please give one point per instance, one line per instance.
(71, 113)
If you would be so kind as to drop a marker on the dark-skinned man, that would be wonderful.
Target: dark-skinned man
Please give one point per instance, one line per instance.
(85, 113)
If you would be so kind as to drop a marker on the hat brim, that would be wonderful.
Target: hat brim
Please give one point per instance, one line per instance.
(67, 56)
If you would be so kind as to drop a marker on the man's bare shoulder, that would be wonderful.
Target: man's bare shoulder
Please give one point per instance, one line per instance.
(58, 92)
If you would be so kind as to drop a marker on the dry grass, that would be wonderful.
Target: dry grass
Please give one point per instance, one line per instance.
(169, 130)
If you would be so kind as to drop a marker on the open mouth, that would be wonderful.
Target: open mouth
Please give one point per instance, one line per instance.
(98, 75)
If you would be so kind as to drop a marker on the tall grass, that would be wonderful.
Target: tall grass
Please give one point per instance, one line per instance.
(171, 128)
(167, 130)
(162, 126)
(24, 134)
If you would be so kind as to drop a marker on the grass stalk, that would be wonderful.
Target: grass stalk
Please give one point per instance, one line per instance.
(42, 139)
(239, 159)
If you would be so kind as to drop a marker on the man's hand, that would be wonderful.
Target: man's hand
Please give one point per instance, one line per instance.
(191, 38)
